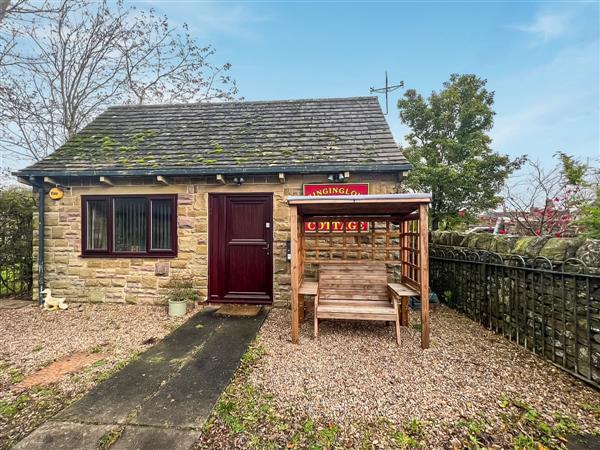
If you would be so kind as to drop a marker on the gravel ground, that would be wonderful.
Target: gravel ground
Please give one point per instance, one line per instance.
(33, 338)
(467, 385)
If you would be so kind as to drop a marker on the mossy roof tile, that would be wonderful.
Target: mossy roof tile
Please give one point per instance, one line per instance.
(274, 135)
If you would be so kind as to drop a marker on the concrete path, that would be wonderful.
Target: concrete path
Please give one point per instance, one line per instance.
(161, 400)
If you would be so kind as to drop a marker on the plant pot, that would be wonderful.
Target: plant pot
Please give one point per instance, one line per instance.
(177, 308)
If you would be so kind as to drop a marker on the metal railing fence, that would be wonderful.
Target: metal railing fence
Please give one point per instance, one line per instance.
(551, 309)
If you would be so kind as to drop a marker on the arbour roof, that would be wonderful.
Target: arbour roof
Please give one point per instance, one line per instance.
(315, 135)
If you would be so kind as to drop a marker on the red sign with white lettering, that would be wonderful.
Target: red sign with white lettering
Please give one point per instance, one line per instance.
(331, 190)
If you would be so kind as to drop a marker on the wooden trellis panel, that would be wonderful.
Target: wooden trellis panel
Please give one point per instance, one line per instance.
(346, 242)
(411, 252)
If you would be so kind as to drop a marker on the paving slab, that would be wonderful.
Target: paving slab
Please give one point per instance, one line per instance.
(64, 436)
(583, 442)
(113, 400)
(188, 398)
(151, 438)
(163, 398)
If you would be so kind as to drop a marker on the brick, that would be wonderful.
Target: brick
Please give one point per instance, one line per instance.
(149, 282)
(161, 269)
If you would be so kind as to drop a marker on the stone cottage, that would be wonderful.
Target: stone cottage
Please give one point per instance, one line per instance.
(146, 193)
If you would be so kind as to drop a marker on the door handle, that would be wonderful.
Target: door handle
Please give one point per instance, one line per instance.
(267, 248)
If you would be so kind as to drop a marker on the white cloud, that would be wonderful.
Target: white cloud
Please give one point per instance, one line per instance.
(541, 114)
(547, 26)
(209, 18)
(235, 20)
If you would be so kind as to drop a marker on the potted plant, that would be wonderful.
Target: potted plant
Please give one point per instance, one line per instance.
(180, 291)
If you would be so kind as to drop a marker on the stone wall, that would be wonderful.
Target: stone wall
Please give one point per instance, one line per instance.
(552, 309)
(144, 280)
(555, 249)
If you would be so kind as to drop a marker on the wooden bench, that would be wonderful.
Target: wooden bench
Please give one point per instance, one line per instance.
(360, 291)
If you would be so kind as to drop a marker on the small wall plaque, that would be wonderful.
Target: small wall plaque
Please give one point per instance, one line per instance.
(56, 193)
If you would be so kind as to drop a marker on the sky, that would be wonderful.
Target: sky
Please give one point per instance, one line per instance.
(540, 58)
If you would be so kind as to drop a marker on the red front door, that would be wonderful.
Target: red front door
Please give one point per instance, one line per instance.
(240, 261)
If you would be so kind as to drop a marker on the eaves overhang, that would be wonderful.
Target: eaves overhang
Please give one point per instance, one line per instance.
(374, 168)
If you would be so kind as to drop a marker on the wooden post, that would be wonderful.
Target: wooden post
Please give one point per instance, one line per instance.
(403, 251)
(295, 274)
(424, 275)
(301, 256)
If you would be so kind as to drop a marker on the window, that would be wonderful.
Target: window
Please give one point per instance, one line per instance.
(97, 213)
(129, 225)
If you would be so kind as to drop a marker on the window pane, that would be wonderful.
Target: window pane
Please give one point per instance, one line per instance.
(96, 225)
(129, 221)
(161, 224)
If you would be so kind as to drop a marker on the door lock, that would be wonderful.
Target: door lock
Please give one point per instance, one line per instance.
(268, 249)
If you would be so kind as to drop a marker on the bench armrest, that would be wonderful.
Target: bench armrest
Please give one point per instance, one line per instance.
(308, 288)
(399, 290)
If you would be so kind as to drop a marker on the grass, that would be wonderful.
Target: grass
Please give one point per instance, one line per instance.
(99, 363)
(531, 430)
(43, 397)
(252, 355)
(27, 411)
(594, 409)
(109, 438)
(247, 416)
(97, 349)
(103, 376)
(9, 409)
(12, 373)
(243, 410)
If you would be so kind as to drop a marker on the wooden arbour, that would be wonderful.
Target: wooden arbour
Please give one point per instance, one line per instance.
(391, 228)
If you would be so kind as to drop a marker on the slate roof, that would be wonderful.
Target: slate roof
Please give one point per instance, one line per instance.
(292, 136)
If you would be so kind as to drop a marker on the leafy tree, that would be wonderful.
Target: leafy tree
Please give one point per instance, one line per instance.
(449, 147)
(585, 180)
(589, 217)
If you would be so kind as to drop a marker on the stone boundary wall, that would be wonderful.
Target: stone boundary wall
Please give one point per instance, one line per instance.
(556, 250)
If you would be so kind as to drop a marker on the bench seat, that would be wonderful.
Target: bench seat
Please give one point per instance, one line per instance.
(359, 292)
(357, 311)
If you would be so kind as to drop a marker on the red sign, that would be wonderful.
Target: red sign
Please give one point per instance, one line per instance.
(336, 189)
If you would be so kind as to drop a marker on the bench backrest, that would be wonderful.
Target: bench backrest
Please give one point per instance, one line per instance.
(363, 280)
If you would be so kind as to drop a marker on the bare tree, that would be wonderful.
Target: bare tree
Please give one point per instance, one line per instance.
(167, 65)
(16, 15)
(73, 62)
(545, 202)
(69, 70)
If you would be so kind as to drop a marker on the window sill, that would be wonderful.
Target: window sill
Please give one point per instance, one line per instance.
(129, 256)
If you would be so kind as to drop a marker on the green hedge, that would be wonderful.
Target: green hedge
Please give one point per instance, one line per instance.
(17, 206)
